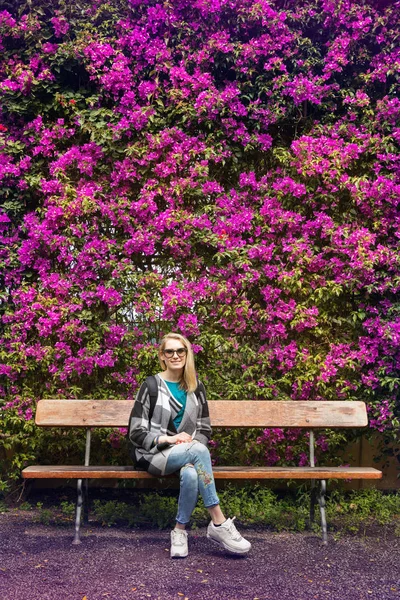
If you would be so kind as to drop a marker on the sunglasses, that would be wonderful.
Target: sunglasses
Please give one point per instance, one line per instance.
(179, 351)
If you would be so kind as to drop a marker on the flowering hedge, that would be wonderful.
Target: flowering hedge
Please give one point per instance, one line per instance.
(225, 168)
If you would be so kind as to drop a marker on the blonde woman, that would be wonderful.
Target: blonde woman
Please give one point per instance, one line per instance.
(170, 434)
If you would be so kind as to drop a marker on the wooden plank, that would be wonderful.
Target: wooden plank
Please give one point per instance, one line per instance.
(129, 472)
(223, 413)
(83, 413)
(296, 473)
(288, 414)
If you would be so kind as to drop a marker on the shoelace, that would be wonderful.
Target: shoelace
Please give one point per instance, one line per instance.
(233, 531)
(179, 537)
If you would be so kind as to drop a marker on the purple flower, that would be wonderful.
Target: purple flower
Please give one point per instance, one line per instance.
(188, 325)
(49, 48)
(303, 459)
(109, 295)
(60, 25)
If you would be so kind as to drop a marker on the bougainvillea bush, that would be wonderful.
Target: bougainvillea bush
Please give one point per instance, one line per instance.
(228, 169)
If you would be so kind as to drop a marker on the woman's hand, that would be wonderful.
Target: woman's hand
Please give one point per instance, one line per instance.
(179, 438)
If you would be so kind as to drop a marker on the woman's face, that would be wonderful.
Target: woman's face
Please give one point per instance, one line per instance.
(174, 354)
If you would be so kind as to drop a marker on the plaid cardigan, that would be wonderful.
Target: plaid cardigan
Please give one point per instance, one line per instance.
(142, 432)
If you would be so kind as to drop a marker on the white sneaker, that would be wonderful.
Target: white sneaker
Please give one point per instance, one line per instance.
(227, 536)
(179, 543)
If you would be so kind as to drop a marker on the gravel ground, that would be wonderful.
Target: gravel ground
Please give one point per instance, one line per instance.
(38, 562)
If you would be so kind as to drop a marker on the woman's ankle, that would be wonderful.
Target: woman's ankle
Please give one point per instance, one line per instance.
(216, 514)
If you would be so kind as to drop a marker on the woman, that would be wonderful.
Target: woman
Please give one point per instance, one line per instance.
(172, 436)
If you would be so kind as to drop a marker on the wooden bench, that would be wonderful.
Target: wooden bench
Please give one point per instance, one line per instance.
(225, 413)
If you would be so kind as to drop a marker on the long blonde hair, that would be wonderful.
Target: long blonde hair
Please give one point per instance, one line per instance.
(188, 381)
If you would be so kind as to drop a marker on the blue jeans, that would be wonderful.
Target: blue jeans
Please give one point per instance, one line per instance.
(194, 462)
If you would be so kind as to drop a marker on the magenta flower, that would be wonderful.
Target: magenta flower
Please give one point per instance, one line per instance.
(60, 25)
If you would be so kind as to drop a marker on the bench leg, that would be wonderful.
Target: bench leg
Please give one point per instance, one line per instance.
(78, 513)
(313, 501)
(26, 490)
(86, 502)
(321, 502)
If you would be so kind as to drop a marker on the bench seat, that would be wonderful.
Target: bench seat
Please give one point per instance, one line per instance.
(129, 472)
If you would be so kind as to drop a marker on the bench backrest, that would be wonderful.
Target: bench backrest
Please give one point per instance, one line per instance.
(223, 413)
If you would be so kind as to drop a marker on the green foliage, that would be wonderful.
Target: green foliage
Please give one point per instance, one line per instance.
(152, 508)
(111, 512)
(68, 509)
(361, 509)
(354, 512)
(157, 509)
(44, 514)
(351, 512)
(254, 505)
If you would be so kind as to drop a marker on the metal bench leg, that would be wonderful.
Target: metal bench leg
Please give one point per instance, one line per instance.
(86, 502)
(321, 502)
(78, 513)
(313, 501)
(26, 490)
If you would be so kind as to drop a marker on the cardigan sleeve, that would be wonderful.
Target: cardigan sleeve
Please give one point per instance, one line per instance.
(139, 423)
(203, 425)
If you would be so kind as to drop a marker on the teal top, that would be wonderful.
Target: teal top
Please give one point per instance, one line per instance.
(180, 395)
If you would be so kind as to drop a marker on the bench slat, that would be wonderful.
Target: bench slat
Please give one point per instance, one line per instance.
(129, 472)
(223, 413)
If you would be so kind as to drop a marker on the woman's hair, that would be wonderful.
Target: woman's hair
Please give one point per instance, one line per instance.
(188, 380)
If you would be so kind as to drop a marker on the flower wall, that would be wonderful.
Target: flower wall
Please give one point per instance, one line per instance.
(227, 168)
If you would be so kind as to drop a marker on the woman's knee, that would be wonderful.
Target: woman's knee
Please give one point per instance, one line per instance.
(199, 450)
(188, 475)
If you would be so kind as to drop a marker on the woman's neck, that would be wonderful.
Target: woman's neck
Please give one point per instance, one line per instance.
(172, 376)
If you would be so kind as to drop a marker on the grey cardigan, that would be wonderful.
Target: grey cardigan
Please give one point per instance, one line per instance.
(143, 432)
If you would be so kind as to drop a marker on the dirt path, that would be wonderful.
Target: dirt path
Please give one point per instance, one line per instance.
(39, 563)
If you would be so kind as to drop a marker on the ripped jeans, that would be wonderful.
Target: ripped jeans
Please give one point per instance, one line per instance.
(194, 462)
